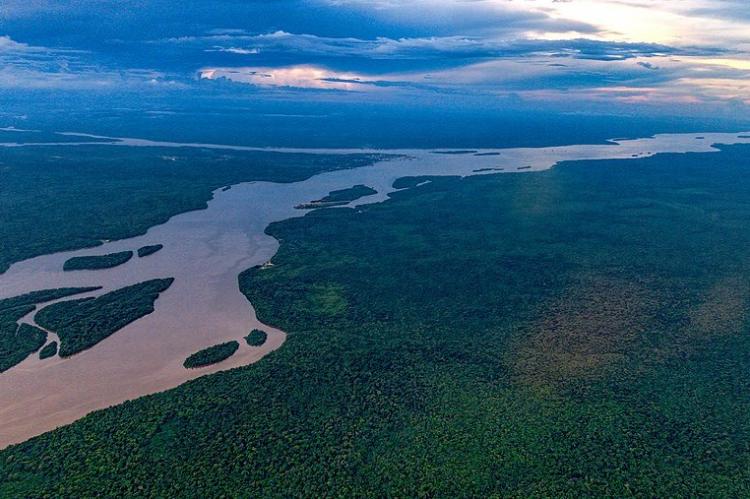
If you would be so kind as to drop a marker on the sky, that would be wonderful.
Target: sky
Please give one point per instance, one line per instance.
(681, 57)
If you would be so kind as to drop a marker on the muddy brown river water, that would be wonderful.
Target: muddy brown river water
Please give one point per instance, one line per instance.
(205, 251)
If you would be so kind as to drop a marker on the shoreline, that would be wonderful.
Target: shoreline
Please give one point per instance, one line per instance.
(205, 250)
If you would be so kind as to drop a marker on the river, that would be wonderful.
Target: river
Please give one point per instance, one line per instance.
(205, 251)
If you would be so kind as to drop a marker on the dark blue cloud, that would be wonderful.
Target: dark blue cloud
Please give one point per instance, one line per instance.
(74, 22)
(146, 34)
(418, 48)
(375, 36)
(383, 55)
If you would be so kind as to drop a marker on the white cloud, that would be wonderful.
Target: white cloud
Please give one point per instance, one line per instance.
(302, 76)
(235, 50)
(8, 45)
(25, 66)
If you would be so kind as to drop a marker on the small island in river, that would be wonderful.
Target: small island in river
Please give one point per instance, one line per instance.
(149, 250)
(97, 262)
(339, 198)
(211, 355)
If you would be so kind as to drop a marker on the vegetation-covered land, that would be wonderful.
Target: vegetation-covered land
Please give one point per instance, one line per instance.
(576, 332)
(97, 262)
(409, 182)
(18, 342)
(339, 198)
(81, 324)
(211, 355)
(48, 351)
(149, 250)
(73, 198)
(43, 296)
(256, 338)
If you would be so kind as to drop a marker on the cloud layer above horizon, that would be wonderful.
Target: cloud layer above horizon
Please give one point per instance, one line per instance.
(694, 54)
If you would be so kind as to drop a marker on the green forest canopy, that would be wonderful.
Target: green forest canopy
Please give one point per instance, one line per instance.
(72, 196)
(211, 355)
(576, 332)
(81, 324)
(97, 262)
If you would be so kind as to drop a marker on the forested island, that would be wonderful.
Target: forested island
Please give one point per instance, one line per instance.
(19, 341)
(97, 262)
(81, 324)
(145, 251)
(72, 197)
(211, 355)
(50, 350)
(256, 338)
(339, 197)
(486, 336)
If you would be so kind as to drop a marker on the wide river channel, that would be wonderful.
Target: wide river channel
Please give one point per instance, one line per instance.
(205, 251)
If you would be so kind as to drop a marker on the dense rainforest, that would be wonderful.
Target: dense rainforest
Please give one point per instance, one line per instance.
(256, 338)
(81, 324)
(50, 350)
(576, 332)
(339, 198)
(18, 341)
(97, 262)
(145, 251)
(56, 198)
(211, 355)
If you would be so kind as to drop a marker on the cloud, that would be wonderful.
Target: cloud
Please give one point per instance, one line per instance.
(143, 19)
(7, 45)
(732, 10)
(27, 67)
(441, 17)
(448, 47)
(234, 50)
(22, 64)
(660, 77)
(624, 50)
(303, 76)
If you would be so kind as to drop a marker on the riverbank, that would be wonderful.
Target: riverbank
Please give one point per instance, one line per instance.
(205, 251)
